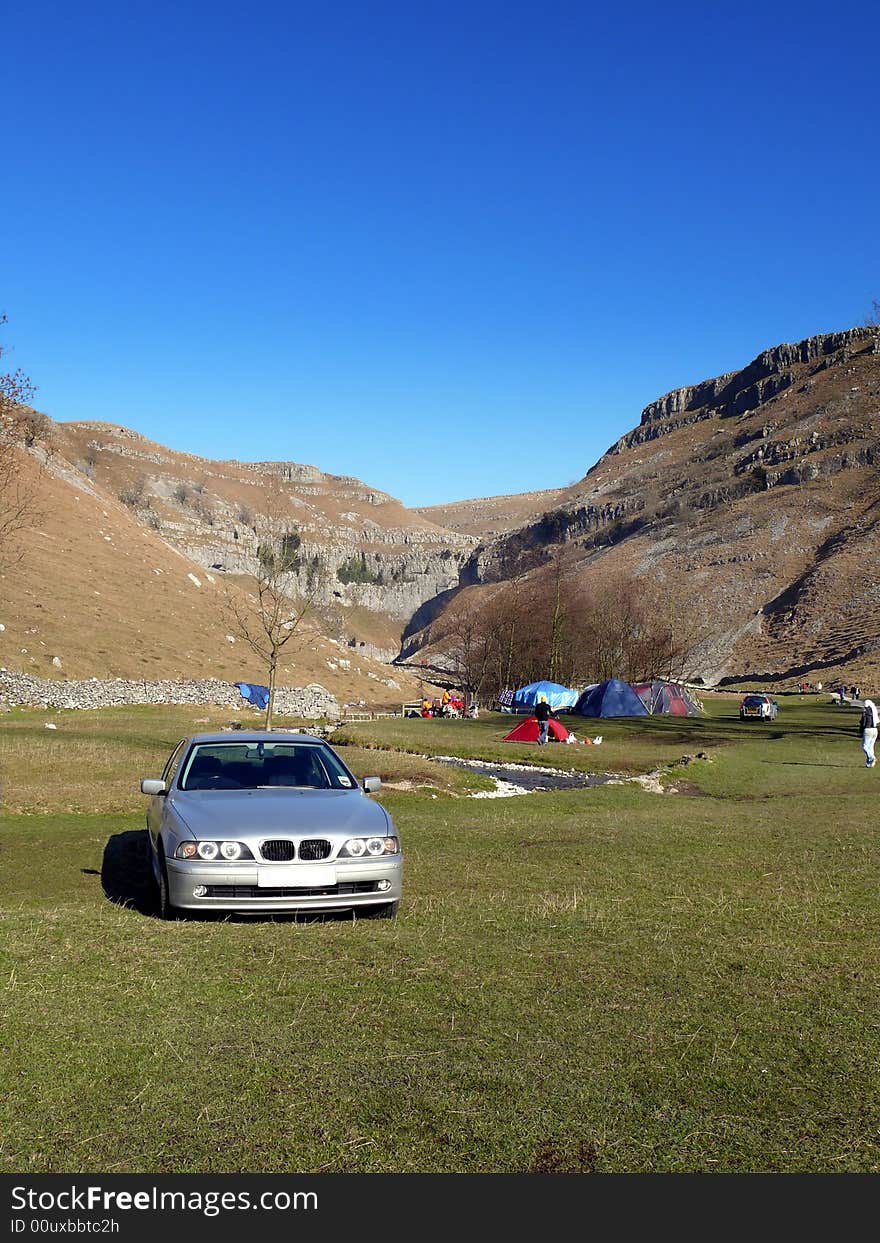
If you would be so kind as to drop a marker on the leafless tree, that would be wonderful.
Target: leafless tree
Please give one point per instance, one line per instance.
(872, 320)
(21, 430)
(573, 628)
(469, 640)
(273, 618)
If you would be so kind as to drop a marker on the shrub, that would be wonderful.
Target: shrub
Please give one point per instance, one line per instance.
(356, 570)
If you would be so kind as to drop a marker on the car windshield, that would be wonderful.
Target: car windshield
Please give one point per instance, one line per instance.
(260, 765)
(753, 701)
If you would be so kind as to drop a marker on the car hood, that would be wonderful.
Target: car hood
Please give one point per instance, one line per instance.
(252, 814)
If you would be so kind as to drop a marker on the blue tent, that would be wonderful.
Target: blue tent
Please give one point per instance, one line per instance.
(610, 698)
(256, 695)
(558, 697)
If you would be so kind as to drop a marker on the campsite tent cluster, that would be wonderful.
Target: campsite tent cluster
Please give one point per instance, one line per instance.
(611, 698)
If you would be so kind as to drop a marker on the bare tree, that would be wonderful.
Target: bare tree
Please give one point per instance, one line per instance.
(275, 617)
(508, 613)
(21, 429)
(574, 628)
(470, 640)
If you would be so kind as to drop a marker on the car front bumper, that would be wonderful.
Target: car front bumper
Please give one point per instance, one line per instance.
(250, 886)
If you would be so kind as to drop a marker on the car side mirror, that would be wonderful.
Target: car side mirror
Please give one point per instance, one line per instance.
(152, 785)
(372, 784)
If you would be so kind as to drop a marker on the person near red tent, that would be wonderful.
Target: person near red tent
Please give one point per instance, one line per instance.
(543, 712)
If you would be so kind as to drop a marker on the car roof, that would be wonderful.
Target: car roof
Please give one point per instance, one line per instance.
(253, 735)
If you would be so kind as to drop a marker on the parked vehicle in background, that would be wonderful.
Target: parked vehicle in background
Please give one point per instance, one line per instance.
(758, 708)
(269, 822)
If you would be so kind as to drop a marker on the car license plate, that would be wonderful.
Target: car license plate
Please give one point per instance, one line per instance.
(290, 877)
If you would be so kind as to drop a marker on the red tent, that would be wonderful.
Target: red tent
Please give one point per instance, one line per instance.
(527, 731)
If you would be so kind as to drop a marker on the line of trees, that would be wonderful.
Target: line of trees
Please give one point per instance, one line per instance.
(555, 624)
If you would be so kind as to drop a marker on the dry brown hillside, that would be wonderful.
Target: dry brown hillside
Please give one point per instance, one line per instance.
(99, 593)
(484, 517)
(758, 495)
(755, 494)
(374, 561)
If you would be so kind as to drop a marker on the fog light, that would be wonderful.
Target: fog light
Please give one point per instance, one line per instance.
(383, 885)
(199, 891)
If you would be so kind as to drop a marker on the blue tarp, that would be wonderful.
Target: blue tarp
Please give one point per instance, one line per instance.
(256, 695)
(610, 698)
(558, 697)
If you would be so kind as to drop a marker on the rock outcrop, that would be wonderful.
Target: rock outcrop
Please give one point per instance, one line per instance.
(738, 392)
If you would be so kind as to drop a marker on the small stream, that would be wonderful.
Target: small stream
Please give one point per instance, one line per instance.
(512, 779)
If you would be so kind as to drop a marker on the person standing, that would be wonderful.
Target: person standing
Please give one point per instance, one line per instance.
(868, 730)
(543, 712)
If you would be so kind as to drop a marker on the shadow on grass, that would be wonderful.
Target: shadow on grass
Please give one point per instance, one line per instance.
(806, 764)
(126, 873)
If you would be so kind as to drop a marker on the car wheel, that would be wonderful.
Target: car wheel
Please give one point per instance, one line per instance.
(165, 909)
(388, 910)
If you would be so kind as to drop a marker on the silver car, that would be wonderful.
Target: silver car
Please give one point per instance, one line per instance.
(265, 822)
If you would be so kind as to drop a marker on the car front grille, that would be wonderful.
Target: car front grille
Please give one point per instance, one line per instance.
(315, 848)
(300, 891)
(278, 851)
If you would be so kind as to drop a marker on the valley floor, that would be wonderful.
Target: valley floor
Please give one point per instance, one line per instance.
(588, 980)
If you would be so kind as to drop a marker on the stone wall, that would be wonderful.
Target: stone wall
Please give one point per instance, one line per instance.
(22, 689)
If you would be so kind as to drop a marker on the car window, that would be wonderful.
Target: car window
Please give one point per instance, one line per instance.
(264, 765)
(173, 761)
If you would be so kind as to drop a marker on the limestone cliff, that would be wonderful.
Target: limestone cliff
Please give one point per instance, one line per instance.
(360, 551)
(759, 490)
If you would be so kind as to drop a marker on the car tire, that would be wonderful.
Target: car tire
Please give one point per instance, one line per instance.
(388, 910)
(164, 909)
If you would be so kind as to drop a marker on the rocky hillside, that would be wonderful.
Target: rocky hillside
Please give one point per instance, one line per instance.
(126, 570)
(757, 492)
(488, 516)
(373, 562)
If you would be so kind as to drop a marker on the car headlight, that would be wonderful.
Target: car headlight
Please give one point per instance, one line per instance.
(374, 847)
(207, 852)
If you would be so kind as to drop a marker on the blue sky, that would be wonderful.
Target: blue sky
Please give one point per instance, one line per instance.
(452, 249)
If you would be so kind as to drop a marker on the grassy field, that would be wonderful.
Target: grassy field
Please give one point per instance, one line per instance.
(588, 980)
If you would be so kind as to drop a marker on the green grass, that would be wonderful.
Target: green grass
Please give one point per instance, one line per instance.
(589, 980)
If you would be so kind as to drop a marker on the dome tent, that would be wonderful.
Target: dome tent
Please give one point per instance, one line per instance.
(610, 698)
(558, 697)
(527, 731)
(667, 697)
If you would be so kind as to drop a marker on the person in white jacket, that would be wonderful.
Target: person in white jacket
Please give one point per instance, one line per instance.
(868, 729)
